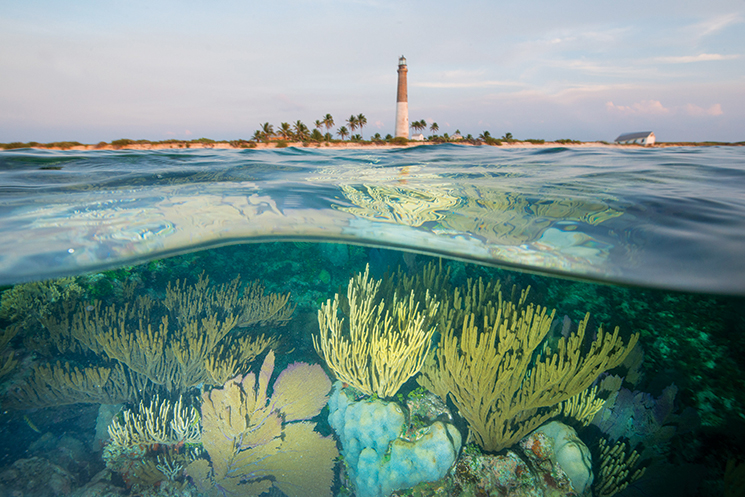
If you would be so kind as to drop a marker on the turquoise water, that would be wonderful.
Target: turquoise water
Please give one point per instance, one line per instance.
(649, 240)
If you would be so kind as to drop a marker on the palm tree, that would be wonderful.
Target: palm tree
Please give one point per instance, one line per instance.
(319, 124)
(352, 121)
(485, 136)
(301, 131)
(257, 135)
(434, 128)
(328, 122)
(267, 131)
(419, 125)
(285, 131)
(361, 121)
(343, 132)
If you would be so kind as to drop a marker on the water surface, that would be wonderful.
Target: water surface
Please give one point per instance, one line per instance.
(669, 218)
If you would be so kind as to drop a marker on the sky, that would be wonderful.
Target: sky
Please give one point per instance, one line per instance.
(92, 71)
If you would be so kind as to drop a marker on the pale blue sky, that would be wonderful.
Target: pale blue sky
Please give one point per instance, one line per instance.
(586, 69)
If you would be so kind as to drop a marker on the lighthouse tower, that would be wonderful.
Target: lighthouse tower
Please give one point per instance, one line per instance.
(402, 101)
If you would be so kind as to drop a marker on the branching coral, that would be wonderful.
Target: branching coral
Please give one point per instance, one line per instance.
(583, 406)
(61, 384)
(495, 377)
(160, 422)
(386, 341)
(153, 442)
(618, 469)
(180, 342)
(7, 363)
(29, 301)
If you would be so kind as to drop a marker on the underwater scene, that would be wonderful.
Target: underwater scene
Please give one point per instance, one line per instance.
(430, 321)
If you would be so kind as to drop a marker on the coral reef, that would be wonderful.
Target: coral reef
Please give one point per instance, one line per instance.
(536, 466)
(491, 371)
(153, 443)
(255, 442)
(7, 362)
(618, 469)
(386, 341)
(179, 342)
(61, 384)
(568, 452)
(383, 450)
(640, 418)
(35, 477)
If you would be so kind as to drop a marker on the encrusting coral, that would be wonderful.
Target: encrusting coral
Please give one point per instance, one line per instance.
(385, 342)
(255, 442)
(492, 372)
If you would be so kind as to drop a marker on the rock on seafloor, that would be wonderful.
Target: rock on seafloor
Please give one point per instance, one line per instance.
(550, 462)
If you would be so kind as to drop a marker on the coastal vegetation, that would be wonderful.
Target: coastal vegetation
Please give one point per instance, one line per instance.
(287, 134)
(316, 138)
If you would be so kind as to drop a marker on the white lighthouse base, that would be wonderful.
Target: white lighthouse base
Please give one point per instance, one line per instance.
(402, 119)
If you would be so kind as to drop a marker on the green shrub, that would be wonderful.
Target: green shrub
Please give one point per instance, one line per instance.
(280, 144)
(399, 140)
(121, 142)
(242, 144)
(14, 145)
(62, 145)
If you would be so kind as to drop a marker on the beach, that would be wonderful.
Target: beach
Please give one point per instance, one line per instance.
(338, 145)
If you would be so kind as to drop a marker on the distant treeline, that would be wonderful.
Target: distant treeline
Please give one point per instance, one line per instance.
(123, 142)
(484, 138)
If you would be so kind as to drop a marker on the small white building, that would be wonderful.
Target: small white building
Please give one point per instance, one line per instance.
(456, 136)
(640, 138)
(417, 138)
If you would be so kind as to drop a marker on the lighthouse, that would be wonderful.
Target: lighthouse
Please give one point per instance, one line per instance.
(402, 101)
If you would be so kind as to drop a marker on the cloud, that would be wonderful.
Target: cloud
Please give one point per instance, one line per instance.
(645, 107)
(655, 108)
(704, 57)
(464, 84)
(716, 24)
(695, 110)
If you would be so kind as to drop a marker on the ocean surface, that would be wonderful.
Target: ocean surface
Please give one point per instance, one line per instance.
(667, 218)
(136, 285)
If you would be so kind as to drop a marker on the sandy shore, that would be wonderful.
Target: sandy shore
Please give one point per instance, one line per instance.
(344, 145)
